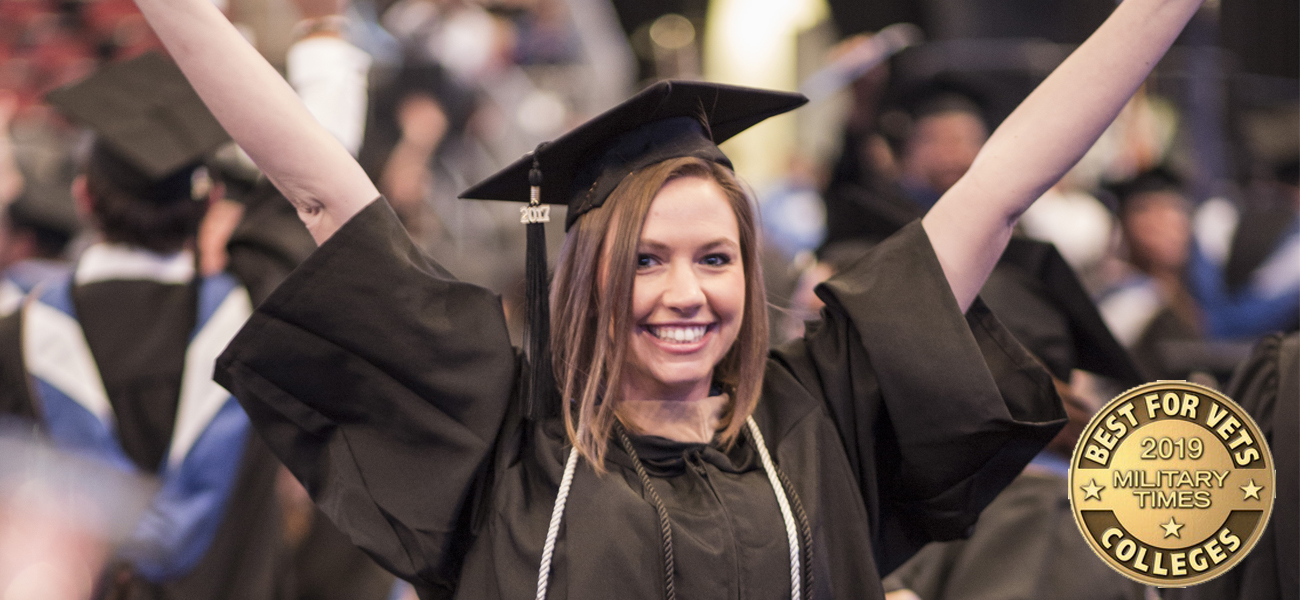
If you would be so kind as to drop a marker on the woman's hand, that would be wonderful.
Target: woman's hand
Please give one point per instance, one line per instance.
(262, 113)
(406, 178)
(1044, 137)
(218, 225)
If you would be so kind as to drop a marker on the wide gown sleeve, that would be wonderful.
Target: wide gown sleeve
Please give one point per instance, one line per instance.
(937, 411)
(382, 383)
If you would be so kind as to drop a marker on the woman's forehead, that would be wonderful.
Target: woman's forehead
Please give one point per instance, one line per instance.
(690, 209)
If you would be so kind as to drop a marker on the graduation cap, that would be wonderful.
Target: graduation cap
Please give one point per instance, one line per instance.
(152, 130)
(670, 119)
(48, 213)
(1038, 297)
(944, 93)
(1156, 179)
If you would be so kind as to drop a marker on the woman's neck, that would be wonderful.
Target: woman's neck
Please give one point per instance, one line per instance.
(678, 420)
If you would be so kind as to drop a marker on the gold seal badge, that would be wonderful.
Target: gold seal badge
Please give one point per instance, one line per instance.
(1171, 483)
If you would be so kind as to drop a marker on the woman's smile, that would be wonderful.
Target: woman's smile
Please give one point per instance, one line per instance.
(679, 335)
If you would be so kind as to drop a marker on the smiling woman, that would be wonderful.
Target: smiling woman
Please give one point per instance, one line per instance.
(677, 454)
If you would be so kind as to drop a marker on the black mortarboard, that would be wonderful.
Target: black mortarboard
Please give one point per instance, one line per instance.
(670, 119)
(1156, 179)
(944, 94)
(1037, 296)
(151, 128)
(49, 214)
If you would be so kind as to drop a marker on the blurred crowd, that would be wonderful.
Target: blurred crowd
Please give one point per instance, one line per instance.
(1186, 283)
(1187, 271)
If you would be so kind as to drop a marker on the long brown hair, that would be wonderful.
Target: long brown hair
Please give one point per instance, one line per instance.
(589, 341)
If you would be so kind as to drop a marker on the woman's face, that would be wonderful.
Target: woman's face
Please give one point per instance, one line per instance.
(688, 298)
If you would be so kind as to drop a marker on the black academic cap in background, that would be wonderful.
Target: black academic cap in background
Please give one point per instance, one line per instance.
(910, 102)
(43, 209)
(1155, 179)
(670, 119)
(944, 94)
(1039, 299)
(151, 128)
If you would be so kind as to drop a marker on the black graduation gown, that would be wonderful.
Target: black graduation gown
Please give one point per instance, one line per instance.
(269, 241)
(264, 248)
(863, 204)
(1267, 385)
(388, 388)
(1025, 546)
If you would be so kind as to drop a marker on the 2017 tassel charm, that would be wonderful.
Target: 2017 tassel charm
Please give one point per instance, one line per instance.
(535, 213)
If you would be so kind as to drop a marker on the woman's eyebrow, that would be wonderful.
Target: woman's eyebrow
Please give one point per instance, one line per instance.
(722, 242)
(657, 246)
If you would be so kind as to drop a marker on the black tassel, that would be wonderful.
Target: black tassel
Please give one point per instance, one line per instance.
(537, 335)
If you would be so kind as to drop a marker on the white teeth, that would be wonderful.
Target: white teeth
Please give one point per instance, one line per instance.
(679, 335)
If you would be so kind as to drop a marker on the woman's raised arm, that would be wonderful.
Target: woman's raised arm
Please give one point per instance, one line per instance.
(262, 113)
(1044, 137)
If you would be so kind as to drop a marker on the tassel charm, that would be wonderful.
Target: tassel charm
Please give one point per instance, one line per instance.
(535, 214)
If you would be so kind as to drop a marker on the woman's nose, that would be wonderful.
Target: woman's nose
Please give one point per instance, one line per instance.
(683, 291)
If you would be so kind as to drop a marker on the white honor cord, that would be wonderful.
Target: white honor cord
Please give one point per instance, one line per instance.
(553, 531)
(791, 535)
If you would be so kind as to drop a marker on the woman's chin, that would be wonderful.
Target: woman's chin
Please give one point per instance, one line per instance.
(673, 383)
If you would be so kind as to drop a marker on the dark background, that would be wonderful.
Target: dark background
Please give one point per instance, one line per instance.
(1263, 34)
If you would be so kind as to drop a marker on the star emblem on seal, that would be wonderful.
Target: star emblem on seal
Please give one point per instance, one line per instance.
(1092, 490)
(1172, 528)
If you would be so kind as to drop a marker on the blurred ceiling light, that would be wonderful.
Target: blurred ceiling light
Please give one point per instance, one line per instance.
(672, 32)
(754, 43)
(542, 114)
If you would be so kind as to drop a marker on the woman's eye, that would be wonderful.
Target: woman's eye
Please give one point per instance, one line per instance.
(644, 260)
(717, 260)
